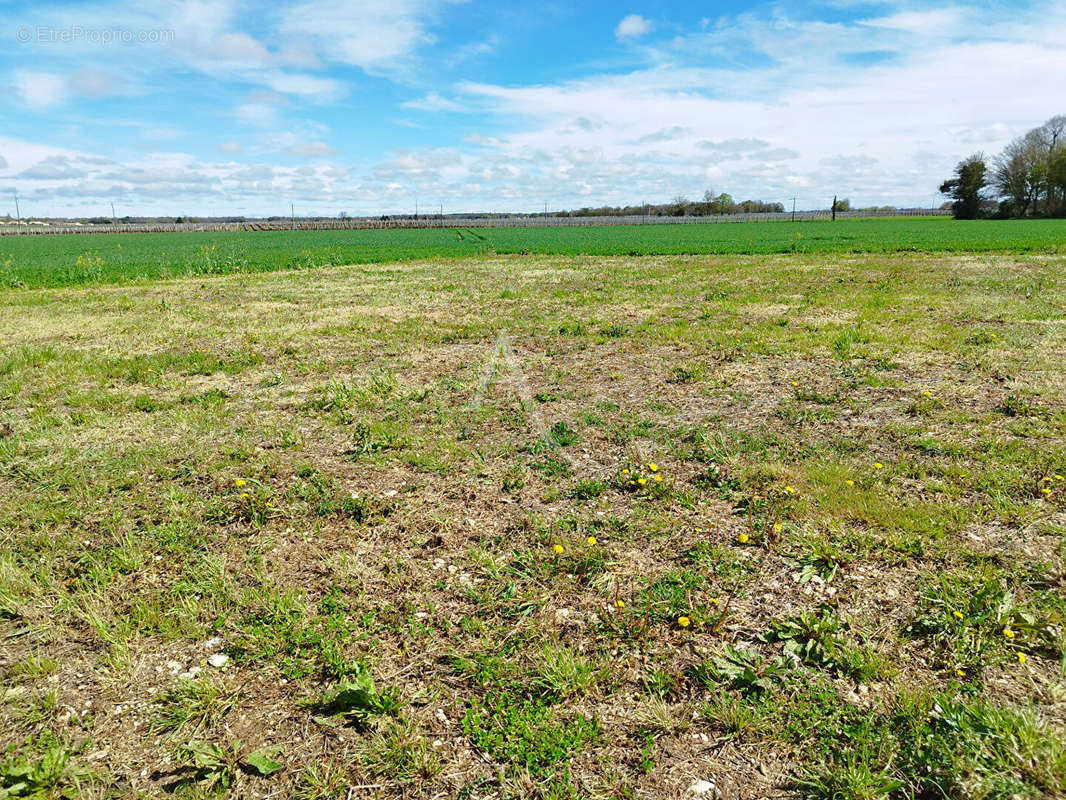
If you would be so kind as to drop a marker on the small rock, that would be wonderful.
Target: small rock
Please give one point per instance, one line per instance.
(211, 644)
(218, 660)
(174, 666)
(701, 787)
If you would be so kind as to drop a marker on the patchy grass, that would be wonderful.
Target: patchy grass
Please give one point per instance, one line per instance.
(792, 524)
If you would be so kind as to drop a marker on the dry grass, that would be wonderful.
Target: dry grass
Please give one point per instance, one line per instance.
(401, 516)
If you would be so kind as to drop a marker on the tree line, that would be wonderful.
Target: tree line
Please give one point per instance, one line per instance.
(680, 206)
(1027, 179)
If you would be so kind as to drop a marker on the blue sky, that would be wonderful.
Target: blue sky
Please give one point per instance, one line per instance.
(229, 107)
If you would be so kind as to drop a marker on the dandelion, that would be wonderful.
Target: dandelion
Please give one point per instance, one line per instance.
(558, 549)
(789, 490)
(794, 383)
(1045, 479)
(653, 467)
(1045, 490)
(849, 482)
(1008, 632)
(878, 465)
(642, 481)
(957, 614)
(244, 495)
(619, 604)
(684, 622)
(1022, 658)
(625, 472)
(927, 394)
(714, 600)
(960, 673)
(591, 540)
(742, 538)
(658, 478)
(1059, 477)
(777, 526)
(239, 482)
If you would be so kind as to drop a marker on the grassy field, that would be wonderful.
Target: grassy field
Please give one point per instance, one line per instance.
(41, 261)
(537, 526)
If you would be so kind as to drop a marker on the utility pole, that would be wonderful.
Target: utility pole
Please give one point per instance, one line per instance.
(292, 212)
(793, 209)
(18, 214)
(114, 219)
(834, 208)
(416, 210)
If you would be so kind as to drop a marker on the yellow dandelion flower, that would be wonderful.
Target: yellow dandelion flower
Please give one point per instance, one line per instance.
(1022, 658)
(714, 600)
(1059, 477)
(632, 483)
(777, 526)
(625, 472)
(960, 673)
(927, 394)
(591, 540)
(1045, 479)
(558, 549)
(878, 465)
(1045, 490)
(244, 495)
(619, 604)
(684, 622)
(957, 614)
(653, 467)
(658, 478)
(789, 490)
(642, 481)
(742, 538)
(849, 483)
(239, 482)
(1008, 633)
(794, 383)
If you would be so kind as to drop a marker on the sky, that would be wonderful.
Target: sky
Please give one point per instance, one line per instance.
(223, 107)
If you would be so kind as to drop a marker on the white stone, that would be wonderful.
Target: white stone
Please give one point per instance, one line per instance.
(701, 787)
(218, 660)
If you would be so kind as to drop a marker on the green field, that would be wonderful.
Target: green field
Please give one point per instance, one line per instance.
(65, 260)
(551, 527)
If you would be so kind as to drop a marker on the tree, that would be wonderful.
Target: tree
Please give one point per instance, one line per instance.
(966, 186)
(1017, 173)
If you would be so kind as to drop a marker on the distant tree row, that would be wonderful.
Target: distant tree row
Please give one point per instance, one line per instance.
(1027, 179)
(711, 205)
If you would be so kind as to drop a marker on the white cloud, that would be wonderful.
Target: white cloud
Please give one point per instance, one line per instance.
(311, 86)
(231, 148)
(374, 35)
(632, 27)
(433, 102)
(40, 90)
(310, 150)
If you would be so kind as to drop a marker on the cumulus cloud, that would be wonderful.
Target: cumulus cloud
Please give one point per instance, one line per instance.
(632, 26)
